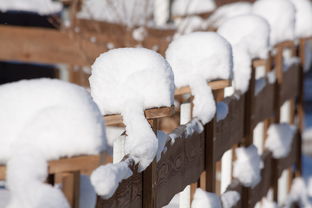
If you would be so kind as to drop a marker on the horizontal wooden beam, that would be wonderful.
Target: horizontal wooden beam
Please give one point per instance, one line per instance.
(152, 113)
(47, 46)
(79, 163)
(215, 85)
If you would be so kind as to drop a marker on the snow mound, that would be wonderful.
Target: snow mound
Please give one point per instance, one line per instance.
(128, 81)
(281, 15)
(41, 120)
(280, 137)
(303, 18)
(247, 167)
(128, 12)
(228, 11)
(205, 199)
(209, 57)
(106, 178)
(229, 199)
(245, 48)
(188, 25)
(187, 7)
(43, 7)
(211, 200)
(299, 194)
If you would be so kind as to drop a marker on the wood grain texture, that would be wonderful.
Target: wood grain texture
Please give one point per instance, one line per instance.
(215, 85)
(289, 87)
(230, 130)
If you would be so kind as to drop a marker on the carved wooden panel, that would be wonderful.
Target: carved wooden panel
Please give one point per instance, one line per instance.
(290, 160)
(289, 87)
(128, 194)
(230, 130)
(264, 105)
(260, 190)
(179, 166)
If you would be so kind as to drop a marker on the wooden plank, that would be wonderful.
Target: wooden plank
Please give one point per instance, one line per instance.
(263, 104)
(223, 2)
(215, 85)
(180, 165)
(289, 87)
(233, 124)
(149, 114)
(79, 163)
(46, 46)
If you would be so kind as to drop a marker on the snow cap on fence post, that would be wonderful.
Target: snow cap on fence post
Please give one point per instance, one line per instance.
(195, 59)
(42, 120)
(249, 36)
(128, 81)
(281, 15)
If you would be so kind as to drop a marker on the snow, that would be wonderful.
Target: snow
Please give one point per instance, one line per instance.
(189, 7)
(129, 12)
(139, 34)
(42, 7)
(222, 111)
(229, 199)
(112, 134)
(87, 197)
(106, 178)
(308, 56)
(205, 199)
(211, 200)
(128, 81)
(299, 194)
(245, 48)
(280, 137)
(281, 16)
(41, 120)
(248, 166)
(303, 26)
(228, 11)
(209, 57)
(162, 141)
(188, 25)
(267, 203)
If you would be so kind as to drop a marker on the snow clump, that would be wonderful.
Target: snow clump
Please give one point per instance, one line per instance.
(245, 48)
(281, 15)
(187, 7)
(42, 120)
(128, 81)
(280, 137)
(197, 58)
(303, 18)
(247, 167)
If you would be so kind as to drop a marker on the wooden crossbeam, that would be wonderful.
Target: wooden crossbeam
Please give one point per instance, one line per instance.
(79, 163)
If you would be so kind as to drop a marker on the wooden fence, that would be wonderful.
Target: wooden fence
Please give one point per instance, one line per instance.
(194, 158)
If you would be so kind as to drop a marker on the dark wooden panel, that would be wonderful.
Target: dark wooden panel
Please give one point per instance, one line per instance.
(264, 105)
(230, 130)
(260, 190)
(290, 160)
(179, 166)
(128, 194)
(289, 87)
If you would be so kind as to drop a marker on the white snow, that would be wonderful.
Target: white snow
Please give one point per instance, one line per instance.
(188, 24)
(222, 110)
(248, 165)
(281, 16)
(197, 58)
(106, 178)
(128, 81)
(299, 194)
(228, 11)
(205, 199)
(245, 48)
(280, 137)
(189, 7)
(41, 120)
(267, 203)
(87, 197)
(162, 141)
(230, 199)
(43, 7)
(211, 200)
(303, 18)
(308, 56)
(139, 34)
(128, 12)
